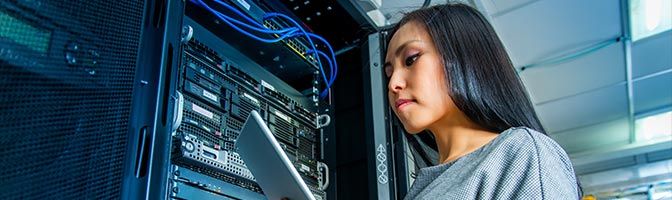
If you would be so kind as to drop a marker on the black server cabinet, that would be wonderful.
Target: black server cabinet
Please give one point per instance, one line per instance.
(218, 76)
(360, 146)
(79, 82)
(92, 91)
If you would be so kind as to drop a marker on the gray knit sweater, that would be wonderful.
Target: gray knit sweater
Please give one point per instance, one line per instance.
(520, 163)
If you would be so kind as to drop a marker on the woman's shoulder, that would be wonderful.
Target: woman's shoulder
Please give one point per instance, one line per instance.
(524, 136)
(526, 142)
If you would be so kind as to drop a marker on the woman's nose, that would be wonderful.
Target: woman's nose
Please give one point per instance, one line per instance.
(396, 83)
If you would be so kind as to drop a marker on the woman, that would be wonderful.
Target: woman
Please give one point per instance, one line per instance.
(450, 75)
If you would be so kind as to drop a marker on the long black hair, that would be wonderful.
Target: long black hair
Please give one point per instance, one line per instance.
(482, 80)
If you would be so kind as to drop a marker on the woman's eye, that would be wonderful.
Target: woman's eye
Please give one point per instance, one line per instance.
(411, 59)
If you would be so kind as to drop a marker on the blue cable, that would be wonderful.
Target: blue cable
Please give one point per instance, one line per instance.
(264, 28)
(324, 92)
(312, 45)
(281, 37)
(284, 33)
(259, 27)
(230, 19)
(326, 57)
(331, 64)
(331, 67)
(331, 50)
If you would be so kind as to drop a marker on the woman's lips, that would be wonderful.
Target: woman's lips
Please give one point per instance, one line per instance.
(402, 103)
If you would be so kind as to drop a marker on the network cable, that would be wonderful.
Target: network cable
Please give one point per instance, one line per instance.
(281, 35)
(331, 51)
(286, 33)
(291, 33)
(332, 68)
(331, 65)
(315, 52)
(269, 15)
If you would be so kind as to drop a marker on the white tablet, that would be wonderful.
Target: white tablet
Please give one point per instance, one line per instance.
(268, 163)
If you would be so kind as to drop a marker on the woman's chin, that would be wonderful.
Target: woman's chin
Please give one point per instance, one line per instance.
(412, 124)
(412, 130)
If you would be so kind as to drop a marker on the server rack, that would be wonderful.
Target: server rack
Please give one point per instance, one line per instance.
(171, 97)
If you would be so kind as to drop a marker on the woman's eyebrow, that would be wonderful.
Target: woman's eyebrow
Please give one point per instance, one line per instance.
(402, 46)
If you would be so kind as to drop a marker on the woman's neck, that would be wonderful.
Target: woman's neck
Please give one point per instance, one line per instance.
(456, 138)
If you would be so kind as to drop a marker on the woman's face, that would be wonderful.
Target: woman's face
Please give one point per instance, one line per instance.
(417, 89)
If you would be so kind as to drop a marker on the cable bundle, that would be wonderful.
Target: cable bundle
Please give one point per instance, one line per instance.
(296, 31)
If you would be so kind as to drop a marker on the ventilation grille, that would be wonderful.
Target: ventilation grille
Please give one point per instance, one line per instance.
(63, 129)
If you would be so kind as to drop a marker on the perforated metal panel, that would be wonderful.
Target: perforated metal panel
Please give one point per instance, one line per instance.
(66, 79)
